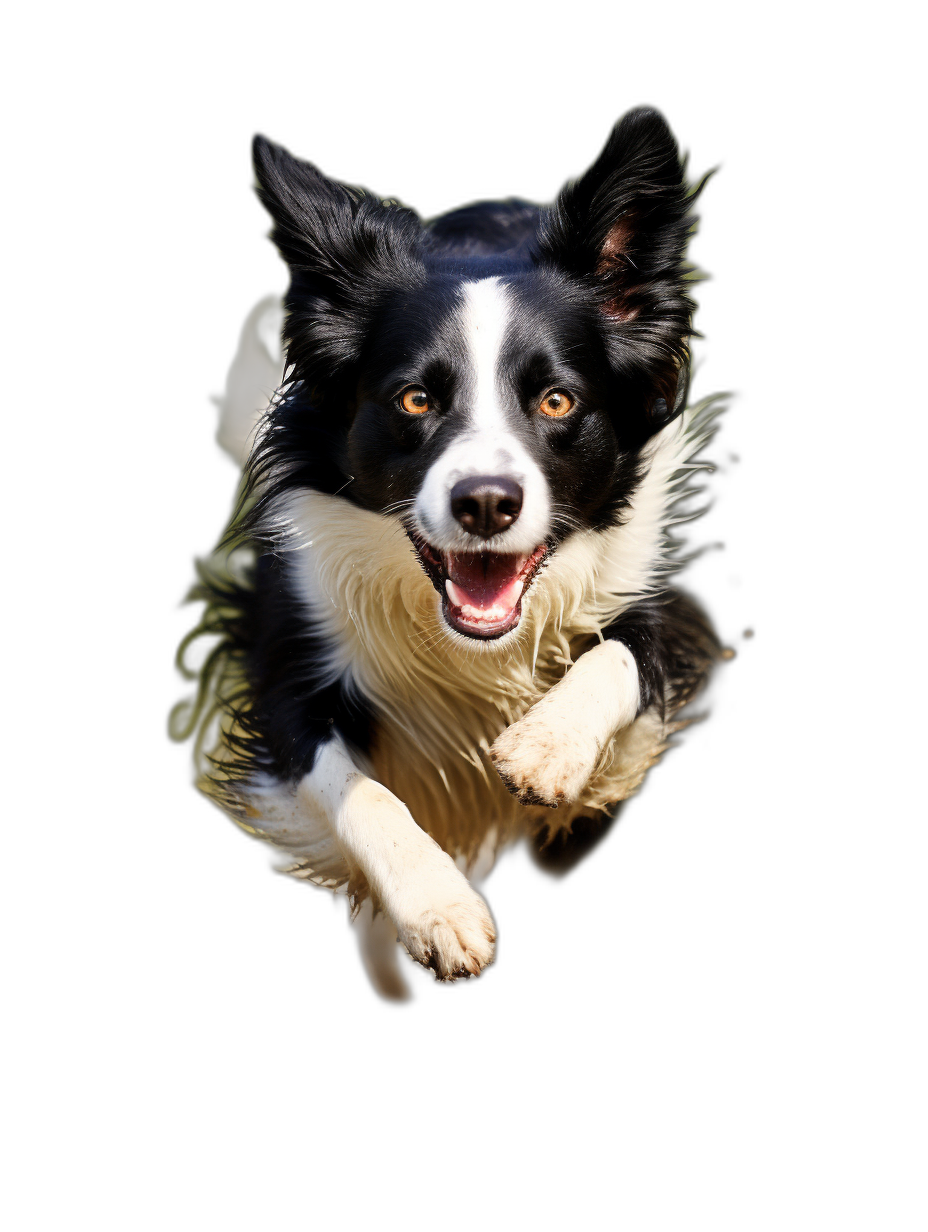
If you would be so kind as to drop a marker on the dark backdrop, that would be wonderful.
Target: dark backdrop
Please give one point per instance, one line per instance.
(685, 922)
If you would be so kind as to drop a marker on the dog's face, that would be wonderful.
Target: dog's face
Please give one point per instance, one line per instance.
(495, 401)
(489, 418)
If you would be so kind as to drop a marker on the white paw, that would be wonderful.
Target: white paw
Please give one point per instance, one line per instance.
(542, 762)
(445, 925)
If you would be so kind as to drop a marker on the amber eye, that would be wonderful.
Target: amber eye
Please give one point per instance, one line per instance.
(415, 400)
(556, 403)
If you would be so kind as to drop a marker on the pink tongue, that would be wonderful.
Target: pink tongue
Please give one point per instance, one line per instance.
(487, 582)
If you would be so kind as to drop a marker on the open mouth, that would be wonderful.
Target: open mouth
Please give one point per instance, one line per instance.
(481, 591)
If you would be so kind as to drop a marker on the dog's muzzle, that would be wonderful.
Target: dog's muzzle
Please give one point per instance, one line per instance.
(482, 588)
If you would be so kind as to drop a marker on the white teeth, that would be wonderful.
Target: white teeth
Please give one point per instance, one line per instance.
(488, 616)
(457, 597)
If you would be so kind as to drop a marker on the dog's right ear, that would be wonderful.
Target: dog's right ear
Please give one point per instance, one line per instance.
(343, 246)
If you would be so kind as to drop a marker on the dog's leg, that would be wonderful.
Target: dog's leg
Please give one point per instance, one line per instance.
(441, 921)
(380, 953)
(547, 757)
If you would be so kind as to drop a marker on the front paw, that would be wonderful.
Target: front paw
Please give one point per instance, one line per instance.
(453, 941)
(541, 763)
(445, 924)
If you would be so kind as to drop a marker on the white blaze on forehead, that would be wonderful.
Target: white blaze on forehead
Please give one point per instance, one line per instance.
(485, 317)
(486, 444)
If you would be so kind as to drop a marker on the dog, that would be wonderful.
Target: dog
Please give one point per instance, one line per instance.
(442, 615)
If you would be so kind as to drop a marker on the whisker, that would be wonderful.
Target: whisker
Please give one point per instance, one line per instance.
(396, 506)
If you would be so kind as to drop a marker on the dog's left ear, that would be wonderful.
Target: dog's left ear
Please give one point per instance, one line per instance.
(623, 228)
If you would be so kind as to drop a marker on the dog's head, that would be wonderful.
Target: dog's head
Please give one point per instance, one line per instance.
(490, 378)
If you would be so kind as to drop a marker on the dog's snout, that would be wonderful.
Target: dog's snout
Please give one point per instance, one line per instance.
(486, 505)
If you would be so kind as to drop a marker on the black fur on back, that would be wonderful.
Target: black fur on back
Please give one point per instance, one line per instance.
(674, 646)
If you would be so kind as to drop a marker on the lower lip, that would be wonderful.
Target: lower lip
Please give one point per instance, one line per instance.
(484, 630)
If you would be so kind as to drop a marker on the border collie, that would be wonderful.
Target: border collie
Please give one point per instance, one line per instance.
(442, 604)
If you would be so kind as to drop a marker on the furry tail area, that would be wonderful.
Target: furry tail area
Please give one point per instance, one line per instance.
(254, 375)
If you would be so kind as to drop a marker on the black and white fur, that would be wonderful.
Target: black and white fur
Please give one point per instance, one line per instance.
(439, 630)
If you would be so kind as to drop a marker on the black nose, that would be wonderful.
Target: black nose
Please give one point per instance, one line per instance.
(486, 504)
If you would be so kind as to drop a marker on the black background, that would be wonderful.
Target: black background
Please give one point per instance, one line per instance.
(685, 925)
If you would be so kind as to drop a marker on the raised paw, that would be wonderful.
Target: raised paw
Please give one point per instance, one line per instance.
(542, 763)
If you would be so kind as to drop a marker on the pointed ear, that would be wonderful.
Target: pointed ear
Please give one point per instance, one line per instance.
(344, 247)
(623, 228)
(308, 209)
